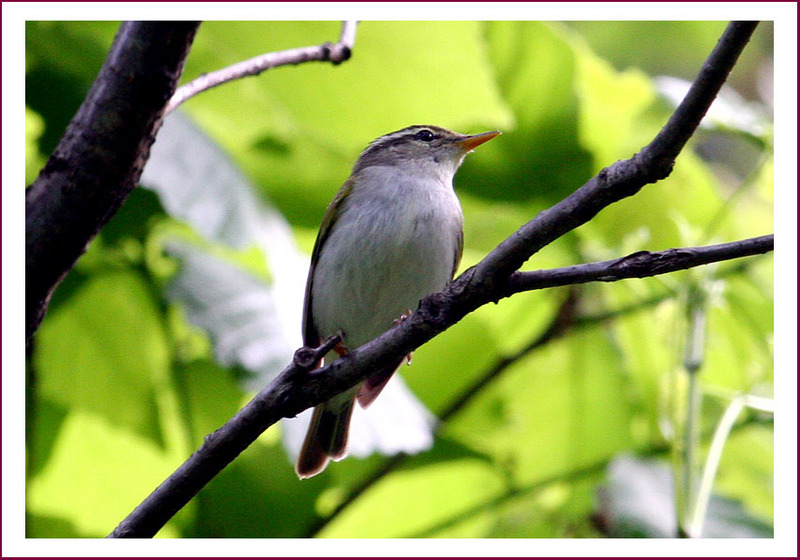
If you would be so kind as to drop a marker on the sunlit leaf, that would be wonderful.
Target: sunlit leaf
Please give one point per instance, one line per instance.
(76, 491)
(105, 351)
(555, 403)
(412, 502)
(34, 126)
(541, 157)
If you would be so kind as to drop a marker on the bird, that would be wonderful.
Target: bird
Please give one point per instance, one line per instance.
(392, 235)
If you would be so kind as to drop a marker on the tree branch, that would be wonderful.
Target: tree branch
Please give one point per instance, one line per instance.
(565, 320)
(326, 52)
(99, 160)
(638, 265)
(295, 389)
(622, 179)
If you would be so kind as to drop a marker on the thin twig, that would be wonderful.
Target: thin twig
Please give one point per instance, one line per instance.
(326, 52)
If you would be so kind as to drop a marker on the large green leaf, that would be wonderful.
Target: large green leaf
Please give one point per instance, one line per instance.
(105, 351)
(567, 402)
(96, 474)
(541, 157)
(412, 501)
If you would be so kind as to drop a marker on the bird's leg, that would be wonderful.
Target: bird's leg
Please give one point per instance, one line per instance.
(339, 347)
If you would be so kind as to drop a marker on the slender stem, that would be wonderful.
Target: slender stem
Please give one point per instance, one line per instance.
(694, 352)
(638, 265)
(726, 423)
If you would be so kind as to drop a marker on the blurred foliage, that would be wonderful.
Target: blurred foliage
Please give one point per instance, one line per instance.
(122, 385)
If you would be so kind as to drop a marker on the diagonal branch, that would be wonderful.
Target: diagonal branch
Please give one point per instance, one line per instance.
(624, 178)
(326, 52)
(295, 389)
(565, 320)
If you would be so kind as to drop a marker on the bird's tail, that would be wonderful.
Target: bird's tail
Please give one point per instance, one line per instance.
(326, 438)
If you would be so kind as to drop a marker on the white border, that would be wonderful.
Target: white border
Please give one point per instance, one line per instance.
(785, 17)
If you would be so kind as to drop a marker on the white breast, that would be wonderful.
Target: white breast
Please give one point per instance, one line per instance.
(393, 244)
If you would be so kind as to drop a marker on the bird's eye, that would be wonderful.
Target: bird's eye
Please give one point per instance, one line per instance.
(425, 135)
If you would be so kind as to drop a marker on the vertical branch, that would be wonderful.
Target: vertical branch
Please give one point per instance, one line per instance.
(688, 404)
(99, 160)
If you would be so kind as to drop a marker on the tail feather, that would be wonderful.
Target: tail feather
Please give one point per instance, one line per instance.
(326, 438)
(374, 384)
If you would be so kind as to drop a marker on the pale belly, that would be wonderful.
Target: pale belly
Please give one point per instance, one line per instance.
(378, 268)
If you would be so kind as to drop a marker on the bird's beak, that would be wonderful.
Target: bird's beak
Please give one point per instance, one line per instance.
(469, 143)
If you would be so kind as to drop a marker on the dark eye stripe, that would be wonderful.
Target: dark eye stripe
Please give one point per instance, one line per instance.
(398, 138)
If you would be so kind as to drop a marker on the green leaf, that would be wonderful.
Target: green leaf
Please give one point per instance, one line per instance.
(236, 309)
(250, 308)
(740, 353)
(746, 471)
(412, 501)
(198, 183)
(97, 474)
(612, 105)
(618, 116)
(567, 402)
(541, 157)
(34, 160)
(104, 351)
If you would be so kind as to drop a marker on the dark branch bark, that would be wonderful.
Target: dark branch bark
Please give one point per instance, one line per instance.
(638, 265)
(295, 389)
(98, 161)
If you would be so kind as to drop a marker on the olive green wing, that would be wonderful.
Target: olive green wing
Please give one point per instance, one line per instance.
(312, 337)
(458, 252)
